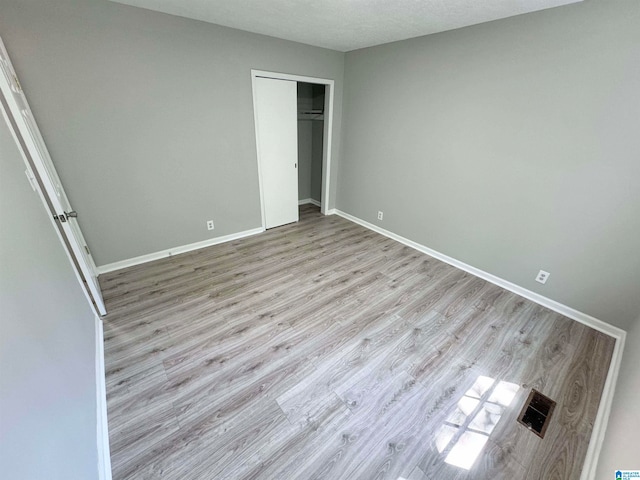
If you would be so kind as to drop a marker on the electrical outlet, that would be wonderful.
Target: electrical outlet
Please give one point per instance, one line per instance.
(209, 224)
(380, 215)
(542, 276)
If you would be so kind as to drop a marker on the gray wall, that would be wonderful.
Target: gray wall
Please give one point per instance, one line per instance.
(149, 117)
(620, 449)
(310, 146)
(511, 146)
(47, 342)
(305, 145)
(305, 141)
(310, 142)
(317, 147)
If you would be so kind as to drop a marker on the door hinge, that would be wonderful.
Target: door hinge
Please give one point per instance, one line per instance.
(87, 250)
(18, 87)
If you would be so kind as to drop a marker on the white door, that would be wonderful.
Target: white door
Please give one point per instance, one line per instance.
(275, 103)
(45, 179)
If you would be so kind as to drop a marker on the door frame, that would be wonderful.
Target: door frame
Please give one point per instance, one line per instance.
(329, 96)
(44, 179)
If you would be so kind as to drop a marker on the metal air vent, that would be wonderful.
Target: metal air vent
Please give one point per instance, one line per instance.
(536, 413)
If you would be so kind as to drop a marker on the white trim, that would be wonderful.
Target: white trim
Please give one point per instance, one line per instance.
(512, 287)
(326, 146)
(150, 257)
(311, 201)
(602, 417)
(328, 130)
(104, 454)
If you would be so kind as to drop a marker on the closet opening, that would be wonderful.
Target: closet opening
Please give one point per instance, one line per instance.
(311, 101)
(293, 123)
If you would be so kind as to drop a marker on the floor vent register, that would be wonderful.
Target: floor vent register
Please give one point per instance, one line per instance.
(536, 413)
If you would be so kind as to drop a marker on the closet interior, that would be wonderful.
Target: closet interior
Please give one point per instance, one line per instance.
(310, 142)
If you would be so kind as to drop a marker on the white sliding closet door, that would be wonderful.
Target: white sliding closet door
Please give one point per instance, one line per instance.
(275, 103)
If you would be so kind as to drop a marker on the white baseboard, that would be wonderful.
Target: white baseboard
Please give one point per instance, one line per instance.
(512, 287)
(602, 417)
(600, 424)
(104, 454)
(309, 200)
(175, 251)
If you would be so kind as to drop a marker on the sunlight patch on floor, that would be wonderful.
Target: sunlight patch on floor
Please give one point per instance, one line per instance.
(464, 434)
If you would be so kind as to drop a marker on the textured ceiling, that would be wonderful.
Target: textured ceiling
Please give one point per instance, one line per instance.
(346, 24)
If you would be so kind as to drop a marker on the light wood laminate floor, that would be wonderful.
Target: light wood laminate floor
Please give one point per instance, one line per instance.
(322, 350)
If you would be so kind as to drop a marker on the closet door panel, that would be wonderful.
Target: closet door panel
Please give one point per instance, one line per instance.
(277, 143)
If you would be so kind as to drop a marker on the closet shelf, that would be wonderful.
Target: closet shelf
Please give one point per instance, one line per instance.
(311, 115)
